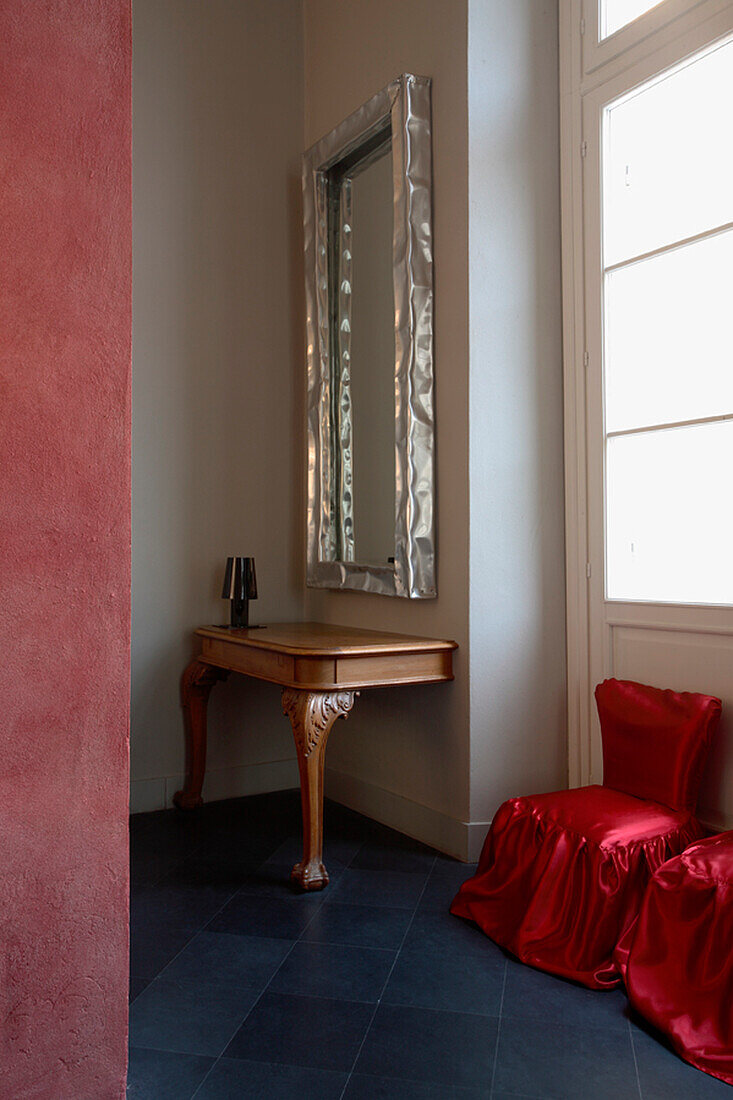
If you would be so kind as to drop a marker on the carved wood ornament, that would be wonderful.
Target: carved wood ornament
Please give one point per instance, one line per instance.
(200, 677)
(312, 714)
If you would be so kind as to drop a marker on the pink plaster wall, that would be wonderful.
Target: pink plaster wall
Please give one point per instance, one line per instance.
(65, 270)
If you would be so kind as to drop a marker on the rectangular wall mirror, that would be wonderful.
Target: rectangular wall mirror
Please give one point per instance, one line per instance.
(369, 296)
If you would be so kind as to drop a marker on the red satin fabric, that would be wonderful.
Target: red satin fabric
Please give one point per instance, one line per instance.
(562, 875)
(679, 973)
(654, 741)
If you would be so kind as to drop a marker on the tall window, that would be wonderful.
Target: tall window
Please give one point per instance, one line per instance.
(616, 14)
(667, 212)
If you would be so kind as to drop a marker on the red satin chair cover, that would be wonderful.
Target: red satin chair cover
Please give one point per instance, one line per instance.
(655, 741)
(562, 875)
(679, 970)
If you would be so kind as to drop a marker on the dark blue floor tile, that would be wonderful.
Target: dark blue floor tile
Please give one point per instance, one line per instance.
(148, 868)
(454, 983)
(361, 1087)
(439, 930)
(346, 825)
(144, 845)
(396, 889)
(404, 855)
(375, 832)
(341, 972)
(532, 995)
(136, 987)
(302, 1031)
(230, 961)
(276, 814)
(160, 1075)
(174, 837)
(233, 1079)
(182, 906)
(250, 915)
(154, 945)
(434, 1032)
(501, 1095)
(451, 1048)
(204, 871)
(337, 852)
(663, 1075)
(361, 925)
(187, 1017)
(238, 844)
(444, 882)
(137, 823)
(273, 805)
(172, 820)
(565, 1063)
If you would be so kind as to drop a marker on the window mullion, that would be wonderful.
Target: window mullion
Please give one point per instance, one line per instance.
(705, 235)
(671, 425)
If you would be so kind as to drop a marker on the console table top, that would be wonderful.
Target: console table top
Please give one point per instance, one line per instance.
(323, 657)
(324, 639)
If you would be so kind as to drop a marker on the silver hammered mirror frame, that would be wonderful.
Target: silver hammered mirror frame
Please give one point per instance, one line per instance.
(400, 116)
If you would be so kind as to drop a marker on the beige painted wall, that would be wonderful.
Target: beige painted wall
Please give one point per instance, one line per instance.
(217, 386)
(403, 754)
(226, 98)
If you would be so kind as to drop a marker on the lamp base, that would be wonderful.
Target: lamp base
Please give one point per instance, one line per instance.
(240, 613)
(250, 626)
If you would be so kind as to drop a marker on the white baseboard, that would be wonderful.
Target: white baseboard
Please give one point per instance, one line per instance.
(716, 822)
(461, 839)
(477, 831)
(273, 775)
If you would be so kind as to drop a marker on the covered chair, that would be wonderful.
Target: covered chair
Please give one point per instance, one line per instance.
(562, 875)
(679, 963)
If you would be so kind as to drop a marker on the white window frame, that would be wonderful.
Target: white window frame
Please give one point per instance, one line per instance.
(593, 74)
(668, 21)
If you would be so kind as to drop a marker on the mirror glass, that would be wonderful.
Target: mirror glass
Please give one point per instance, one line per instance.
(365, 340)
(369, 297)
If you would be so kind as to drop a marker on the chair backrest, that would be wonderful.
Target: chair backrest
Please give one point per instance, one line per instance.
(655, 741)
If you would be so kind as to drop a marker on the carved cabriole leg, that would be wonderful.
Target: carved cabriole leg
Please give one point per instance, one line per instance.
(311, 714)
(196, 685)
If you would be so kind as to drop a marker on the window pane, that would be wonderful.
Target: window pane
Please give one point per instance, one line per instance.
(668, 164)
(669, 526)
(669, 336)
(617, 13)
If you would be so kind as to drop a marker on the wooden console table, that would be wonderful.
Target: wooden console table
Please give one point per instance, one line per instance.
(321, 669)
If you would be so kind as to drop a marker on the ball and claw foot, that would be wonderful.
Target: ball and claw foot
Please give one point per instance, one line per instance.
(183, 801)
(309, 876)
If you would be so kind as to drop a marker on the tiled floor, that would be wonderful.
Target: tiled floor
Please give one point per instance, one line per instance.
(241, 988)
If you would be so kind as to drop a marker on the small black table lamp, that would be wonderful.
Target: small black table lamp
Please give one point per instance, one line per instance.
(240, 586)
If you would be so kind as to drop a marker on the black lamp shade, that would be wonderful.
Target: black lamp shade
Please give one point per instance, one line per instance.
(240, 581)
(240, 586)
